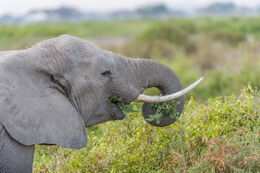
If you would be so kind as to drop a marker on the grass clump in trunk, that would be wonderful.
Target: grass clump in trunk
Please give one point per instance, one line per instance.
(162, 109)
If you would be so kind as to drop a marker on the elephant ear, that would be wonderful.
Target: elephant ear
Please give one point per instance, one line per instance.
(32, 112)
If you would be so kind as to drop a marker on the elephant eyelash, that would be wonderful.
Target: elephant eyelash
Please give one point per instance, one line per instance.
(106, 73)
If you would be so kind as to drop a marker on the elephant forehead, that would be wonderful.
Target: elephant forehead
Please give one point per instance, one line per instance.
(98, 63)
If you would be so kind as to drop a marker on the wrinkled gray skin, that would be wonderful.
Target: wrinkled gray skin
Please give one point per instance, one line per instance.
(50, 92)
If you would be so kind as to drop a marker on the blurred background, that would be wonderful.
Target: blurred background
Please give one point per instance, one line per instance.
(217, 39)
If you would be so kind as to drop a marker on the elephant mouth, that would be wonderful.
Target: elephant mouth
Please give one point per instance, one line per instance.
(117, 105)
(116, 100)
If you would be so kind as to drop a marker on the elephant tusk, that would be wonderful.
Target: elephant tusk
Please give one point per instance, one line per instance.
(158, 99)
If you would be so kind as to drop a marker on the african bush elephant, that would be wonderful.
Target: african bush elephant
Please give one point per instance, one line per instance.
(51, 91)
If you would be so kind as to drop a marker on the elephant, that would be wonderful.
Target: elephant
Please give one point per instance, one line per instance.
(52, 91)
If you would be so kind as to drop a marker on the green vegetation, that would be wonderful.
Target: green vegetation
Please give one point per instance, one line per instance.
(219, 132)
(14, 37)
(126, 108)
(221, 135)
(162, 109)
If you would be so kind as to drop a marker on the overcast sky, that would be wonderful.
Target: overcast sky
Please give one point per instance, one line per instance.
(22, 6)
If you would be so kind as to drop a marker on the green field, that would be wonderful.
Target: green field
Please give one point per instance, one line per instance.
(219, 129)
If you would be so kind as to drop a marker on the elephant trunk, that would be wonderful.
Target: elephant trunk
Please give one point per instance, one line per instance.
(154, 74)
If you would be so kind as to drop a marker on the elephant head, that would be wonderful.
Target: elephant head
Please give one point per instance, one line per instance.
(50, 92)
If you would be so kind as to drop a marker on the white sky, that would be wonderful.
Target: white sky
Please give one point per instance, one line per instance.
(22, 6)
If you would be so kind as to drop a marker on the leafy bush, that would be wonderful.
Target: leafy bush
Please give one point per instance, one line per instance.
(220, 136)
(165, 31)
(162, 36)
(231, 38)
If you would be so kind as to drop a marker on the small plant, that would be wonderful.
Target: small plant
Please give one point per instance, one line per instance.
(162, 109)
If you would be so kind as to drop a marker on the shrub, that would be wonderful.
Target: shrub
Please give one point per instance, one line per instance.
(231, 38)
(219, 136)
(162, 37)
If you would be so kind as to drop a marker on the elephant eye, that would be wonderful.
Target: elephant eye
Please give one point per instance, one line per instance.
(106, 73)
